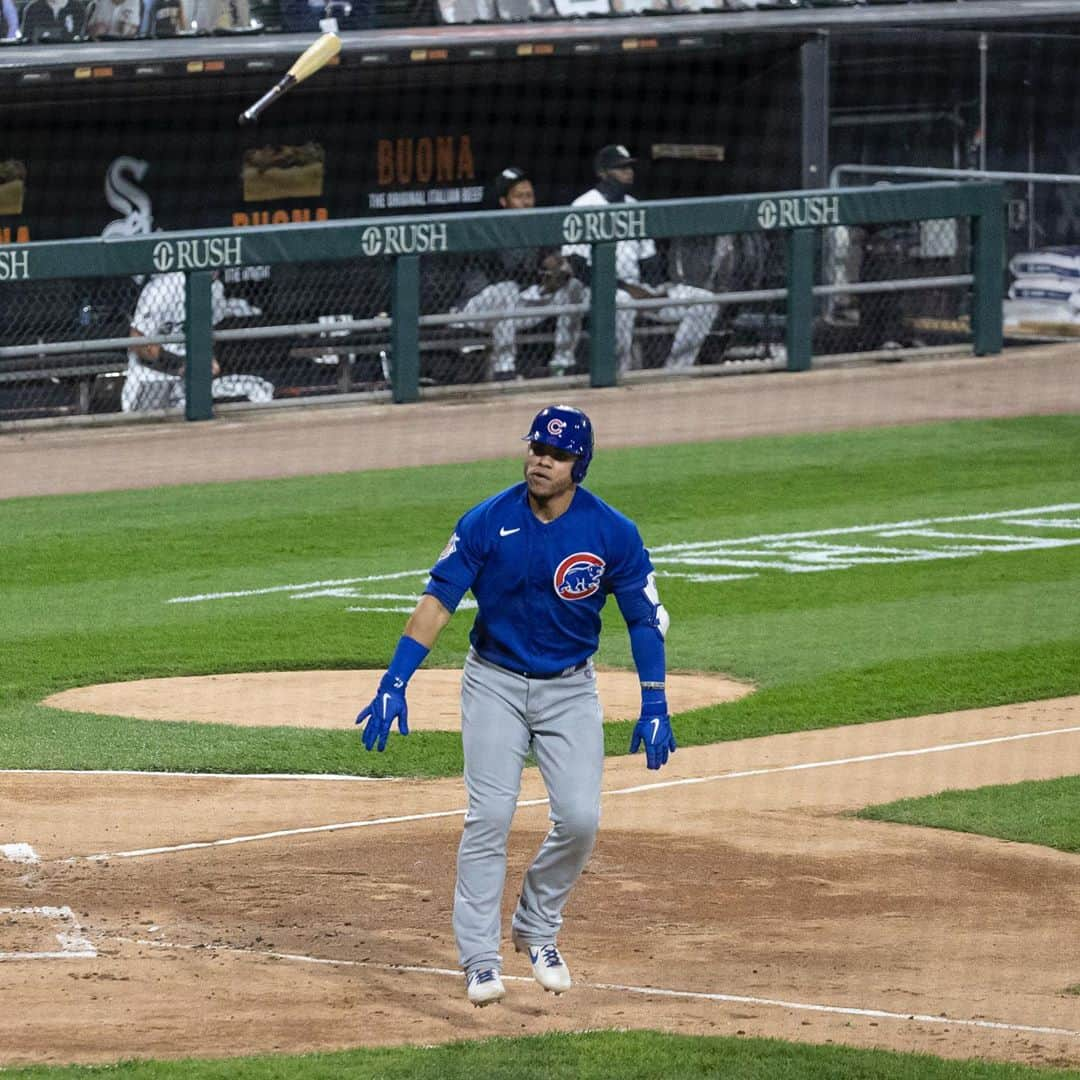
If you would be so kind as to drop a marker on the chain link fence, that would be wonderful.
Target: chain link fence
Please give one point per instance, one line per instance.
(305, 329)
(76, 346)
(1042, 253)
(117, 344)
(891, 286)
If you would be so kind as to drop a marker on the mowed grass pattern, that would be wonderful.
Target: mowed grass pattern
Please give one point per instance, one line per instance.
(1045, 812)
(86, 580)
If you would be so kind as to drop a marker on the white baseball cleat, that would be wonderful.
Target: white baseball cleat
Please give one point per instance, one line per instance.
(484, 987)
(549, 968)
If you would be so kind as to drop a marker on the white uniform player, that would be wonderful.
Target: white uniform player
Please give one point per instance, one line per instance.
(615, 172)
(518, 280)
(541, 558)
(114, 19)
(155, 373)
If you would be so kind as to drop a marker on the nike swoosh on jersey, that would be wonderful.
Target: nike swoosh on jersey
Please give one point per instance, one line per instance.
(509, 532)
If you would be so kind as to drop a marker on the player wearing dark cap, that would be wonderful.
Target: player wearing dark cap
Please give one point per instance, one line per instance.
(640, 271)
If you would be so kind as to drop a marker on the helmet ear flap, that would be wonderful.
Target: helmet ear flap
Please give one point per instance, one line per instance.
(581, 466)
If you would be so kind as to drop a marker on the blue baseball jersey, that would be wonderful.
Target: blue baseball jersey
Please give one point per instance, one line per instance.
(539, 586)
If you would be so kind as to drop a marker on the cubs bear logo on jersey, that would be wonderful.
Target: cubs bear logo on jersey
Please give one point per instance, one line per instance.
(578, 575)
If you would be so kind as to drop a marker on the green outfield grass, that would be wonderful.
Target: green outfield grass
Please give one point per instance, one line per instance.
(1045, 812)
(597, 1055)
(86, 580)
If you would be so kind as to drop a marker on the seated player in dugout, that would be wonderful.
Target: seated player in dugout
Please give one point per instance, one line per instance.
(640, 272)
(541, 559)
(43, 20)
(155, 372)
(517, 280)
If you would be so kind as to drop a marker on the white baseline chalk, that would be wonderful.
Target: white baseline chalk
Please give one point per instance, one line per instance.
(636, 789)
(654, 991)
(19, 853)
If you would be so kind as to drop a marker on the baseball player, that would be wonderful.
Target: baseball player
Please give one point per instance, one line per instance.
(513, 279)
(155, 373)
(541, 558)
(638, 269)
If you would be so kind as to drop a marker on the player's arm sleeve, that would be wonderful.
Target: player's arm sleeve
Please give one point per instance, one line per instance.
(456, 568)
(168, 359)
(647, 621)
(145, 318)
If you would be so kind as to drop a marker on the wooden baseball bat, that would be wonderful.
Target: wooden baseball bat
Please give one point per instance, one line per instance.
(316, 55)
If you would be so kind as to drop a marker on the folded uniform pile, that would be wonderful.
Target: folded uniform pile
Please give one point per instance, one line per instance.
(1046, 287)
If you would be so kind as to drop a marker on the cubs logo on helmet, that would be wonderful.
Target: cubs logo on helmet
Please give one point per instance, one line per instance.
(566, 428)
(578, 575)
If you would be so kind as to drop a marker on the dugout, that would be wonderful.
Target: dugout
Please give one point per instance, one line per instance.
(128, 142)
(117, 138)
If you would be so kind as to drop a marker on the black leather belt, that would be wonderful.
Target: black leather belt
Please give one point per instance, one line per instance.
(533, 674)
(557, 674)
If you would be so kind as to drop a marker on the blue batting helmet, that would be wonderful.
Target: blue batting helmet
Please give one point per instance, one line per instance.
(566, 428)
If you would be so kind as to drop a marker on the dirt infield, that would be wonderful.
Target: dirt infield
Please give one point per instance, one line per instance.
(179, 916)
(321, 699)
(747, 901)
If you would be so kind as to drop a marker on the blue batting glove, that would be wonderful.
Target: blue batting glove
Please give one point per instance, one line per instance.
(653, 729)
(387, 706)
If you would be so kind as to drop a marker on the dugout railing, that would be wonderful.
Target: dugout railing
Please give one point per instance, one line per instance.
(798, 217)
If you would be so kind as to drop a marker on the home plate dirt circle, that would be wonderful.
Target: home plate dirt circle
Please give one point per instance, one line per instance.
(331, 699)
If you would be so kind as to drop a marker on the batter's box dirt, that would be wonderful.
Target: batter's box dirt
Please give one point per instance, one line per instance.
(42, 933)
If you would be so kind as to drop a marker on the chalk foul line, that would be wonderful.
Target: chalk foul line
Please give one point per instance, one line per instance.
(203, 775)
(399, 819)
(645, 991)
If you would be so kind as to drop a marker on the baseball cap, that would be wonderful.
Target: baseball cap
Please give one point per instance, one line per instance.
(510, 176)
(613, 157)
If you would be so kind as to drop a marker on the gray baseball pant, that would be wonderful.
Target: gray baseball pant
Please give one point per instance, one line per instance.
(503, 716)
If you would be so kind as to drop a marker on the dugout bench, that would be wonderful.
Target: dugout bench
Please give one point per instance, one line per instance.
(461, 355)
(72, 384)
